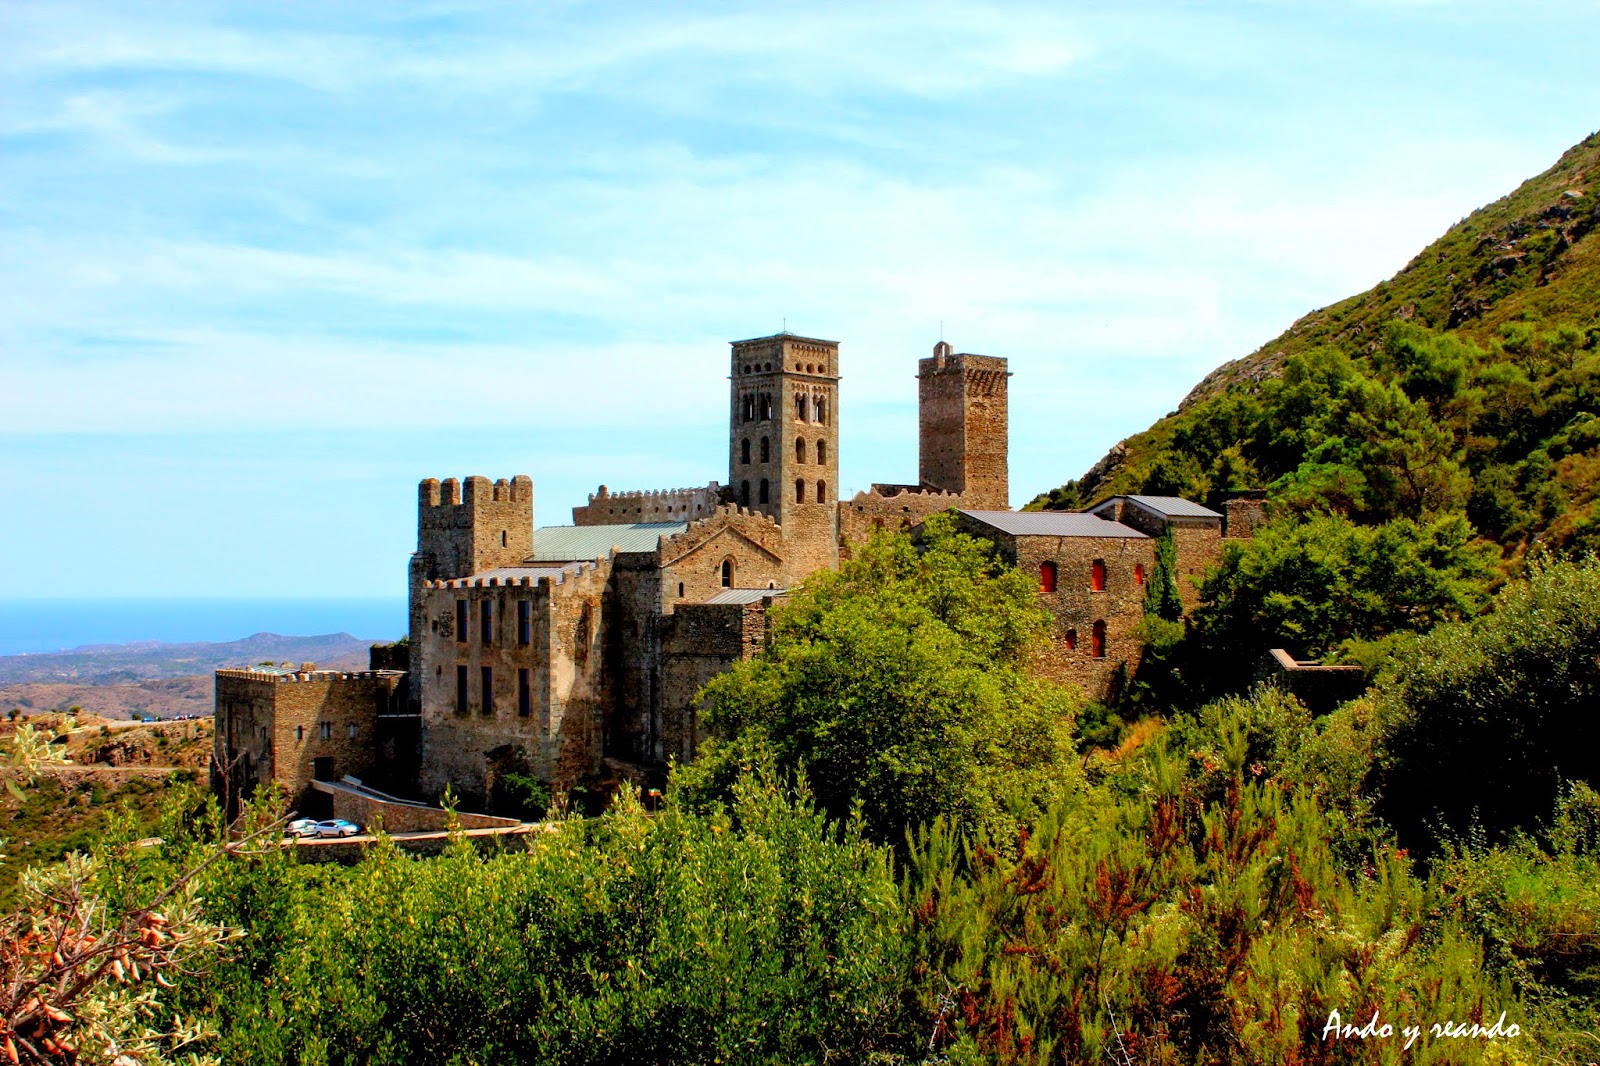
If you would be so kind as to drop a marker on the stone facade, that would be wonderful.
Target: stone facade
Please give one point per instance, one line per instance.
(698, 642)
(1196, 534)
(567, 650)
(963, 437)
(892, 508)
(564, 650)
(1092, 585)
(1092, 568)
(607, 508)
(514, 675)
(293, 728)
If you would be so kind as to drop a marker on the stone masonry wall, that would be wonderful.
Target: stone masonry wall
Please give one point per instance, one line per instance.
(559, 736)
(867, 512)
(810, 541)
(1076, 606)
(963, 444)
(462, 529)
(700, 641)
(690, 563)
(370, 812)
(1198, 548)
(607, 508)
(306, 717)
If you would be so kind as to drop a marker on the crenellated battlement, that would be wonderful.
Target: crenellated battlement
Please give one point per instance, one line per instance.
(276, 677)
(650, 494)
(571, 571)
(758, 526)
(473, 491)
(647, 505)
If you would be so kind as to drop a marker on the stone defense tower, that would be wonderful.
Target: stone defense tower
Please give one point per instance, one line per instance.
(962, 413)
(783, 443)
(465, 528)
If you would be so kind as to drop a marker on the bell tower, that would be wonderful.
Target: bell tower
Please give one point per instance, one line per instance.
(962, 445)
(783, 442)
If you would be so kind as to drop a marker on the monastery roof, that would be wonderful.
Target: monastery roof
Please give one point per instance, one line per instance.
(1167, 506)
(567, 543)
(785, 335)
(746, 595)
(1053, 524)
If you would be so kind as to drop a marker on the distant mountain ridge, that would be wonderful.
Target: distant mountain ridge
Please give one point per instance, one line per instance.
(107, 664)
(1481, 358)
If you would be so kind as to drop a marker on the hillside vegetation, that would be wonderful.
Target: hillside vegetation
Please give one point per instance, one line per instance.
(1467, 383)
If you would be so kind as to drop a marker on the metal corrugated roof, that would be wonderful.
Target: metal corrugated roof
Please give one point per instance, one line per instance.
(562, 543)
(746, 595)
(1173, 507)
(1053, 524)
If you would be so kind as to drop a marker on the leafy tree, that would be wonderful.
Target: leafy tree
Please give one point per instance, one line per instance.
(1309, 586)
(901, 683)
(1483, 721)
(757, 932)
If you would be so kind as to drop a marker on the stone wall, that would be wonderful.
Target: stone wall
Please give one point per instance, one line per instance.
(700, 641)
(810, 541)
(462, 529)
(1321, 688)
(963, 426)
(897, 509)
(631, 729)
(372, 812)
(607, 508)
(1197, 547)
(1246, 514)
(558, 737)
(690, 563)
(1076, 606)
(290, 728)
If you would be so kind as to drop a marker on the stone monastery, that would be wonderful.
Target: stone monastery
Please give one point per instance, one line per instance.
(549, 650)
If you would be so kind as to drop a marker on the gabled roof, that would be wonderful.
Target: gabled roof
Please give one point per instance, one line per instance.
(746, 595)
(568, 543)
(1053, 524)
(1165, 506)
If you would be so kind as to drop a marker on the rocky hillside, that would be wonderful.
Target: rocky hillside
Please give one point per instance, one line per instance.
(117, 664)
(1491, 333)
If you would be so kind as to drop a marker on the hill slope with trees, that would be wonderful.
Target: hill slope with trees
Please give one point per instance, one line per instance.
(1467, 383)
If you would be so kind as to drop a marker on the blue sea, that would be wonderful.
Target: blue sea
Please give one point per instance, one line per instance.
(30, 626)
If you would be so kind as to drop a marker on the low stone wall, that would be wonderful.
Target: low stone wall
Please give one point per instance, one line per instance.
(398, 816)
(1319, 687)
(349, 851)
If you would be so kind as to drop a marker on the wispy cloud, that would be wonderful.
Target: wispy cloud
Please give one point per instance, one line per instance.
(296, 220)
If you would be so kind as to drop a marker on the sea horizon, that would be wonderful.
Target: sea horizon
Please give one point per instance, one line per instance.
(31, 626)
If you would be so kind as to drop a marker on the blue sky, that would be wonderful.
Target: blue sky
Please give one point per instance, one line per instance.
(264, 266)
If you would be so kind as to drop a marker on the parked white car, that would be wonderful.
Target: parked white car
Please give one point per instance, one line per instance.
(301, 827)
(337, 827)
